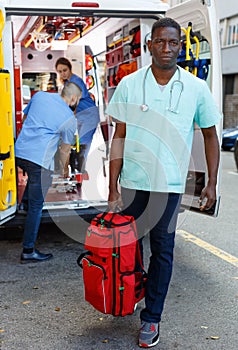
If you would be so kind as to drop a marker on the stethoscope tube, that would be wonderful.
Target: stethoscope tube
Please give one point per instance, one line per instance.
(144, 106)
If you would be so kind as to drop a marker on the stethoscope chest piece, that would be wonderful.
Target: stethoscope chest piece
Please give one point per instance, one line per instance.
(144, 107)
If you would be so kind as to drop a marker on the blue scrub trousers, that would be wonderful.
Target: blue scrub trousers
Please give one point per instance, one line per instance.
(38, 183)
(155, 213)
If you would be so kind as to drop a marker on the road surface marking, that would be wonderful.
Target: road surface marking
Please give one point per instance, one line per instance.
(209, 247)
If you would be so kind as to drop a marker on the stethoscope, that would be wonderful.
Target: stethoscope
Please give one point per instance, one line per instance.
(174, 109)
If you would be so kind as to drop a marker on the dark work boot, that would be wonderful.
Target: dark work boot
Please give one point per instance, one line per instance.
(35, 256)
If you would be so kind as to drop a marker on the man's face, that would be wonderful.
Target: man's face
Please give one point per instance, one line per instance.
(74, 103)
(164, 47)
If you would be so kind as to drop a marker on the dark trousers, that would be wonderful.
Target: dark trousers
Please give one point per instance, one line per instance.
(38, 183)
(155, 213)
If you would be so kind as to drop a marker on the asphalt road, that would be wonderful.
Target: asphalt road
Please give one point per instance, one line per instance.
(42, 305)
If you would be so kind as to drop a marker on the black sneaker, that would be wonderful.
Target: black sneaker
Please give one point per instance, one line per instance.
(149, 334)
(35, 256)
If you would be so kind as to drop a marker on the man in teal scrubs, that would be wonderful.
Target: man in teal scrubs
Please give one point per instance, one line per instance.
(155, 110)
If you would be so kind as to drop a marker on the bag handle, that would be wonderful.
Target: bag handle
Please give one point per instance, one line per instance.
(81, 256)
(108, 223)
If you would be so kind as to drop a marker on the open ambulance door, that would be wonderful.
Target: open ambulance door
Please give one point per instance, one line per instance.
(201, 33)
(7, 160)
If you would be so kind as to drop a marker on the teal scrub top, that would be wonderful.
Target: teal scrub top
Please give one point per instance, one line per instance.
(158, 142)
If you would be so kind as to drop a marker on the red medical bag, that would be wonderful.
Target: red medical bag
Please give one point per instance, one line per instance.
(111, 283)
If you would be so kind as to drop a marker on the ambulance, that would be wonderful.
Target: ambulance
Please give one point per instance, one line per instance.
(104, 40)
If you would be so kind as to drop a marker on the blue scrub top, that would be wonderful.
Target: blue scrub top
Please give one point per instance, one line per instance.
(86, 101)
(87, 112)
(158, 142)
(49, 118)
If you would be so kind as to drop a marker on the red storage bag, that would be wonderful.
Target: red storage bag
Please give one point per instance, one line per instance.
(111, 283)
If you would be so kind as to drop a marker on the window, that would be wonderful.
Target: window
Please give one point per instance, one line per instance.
(229, 84)
(232, 38)
(40, 81)
(204, 47)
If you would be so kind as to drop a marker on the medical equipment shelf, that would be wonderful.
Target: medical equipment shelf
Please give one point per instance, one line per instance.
(120, 57)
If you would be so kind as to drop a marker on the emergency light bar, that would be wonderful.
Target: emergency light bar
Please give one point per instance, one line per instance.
(85, 4)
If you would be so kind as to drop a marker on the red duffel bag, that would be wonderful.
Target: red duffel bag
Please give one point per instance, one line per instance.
(113, 283)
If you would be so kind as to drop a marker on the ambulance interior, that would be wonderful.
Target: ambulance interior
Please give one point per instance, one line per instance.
(102, 50)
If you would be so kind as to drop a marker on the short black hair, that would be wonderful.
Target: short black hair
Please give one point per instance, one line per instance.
(165, 22)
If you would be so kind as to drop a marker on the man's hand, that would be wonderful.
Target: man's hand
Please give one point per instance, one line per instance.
(115, 201)
(208, 197)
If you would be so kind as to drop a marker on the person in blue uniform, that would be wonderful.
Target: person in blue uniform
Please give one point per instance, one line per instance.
(87, 113)
(150, 155)
(49, 117)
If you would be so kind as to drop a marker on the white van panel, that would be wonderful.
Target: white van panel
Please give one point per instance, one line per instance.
(124, 5)
(111, 16)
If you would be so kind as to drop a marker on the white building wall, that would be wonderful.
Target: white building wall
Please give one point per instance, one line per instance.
(227, 8)
(229, 60)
